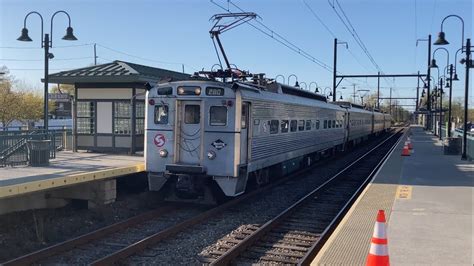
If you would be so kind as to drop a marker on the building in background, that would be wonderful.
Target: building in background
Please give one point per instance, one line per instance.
(109, 107)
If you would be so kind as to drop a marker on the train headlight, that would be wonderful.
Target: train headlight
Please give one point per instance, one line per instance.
(197, 91)
(163, 153)
(211, 155)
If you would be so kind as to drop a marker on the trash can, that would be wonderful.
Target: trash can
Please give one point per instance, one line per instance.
(452, 146)
(39, 152)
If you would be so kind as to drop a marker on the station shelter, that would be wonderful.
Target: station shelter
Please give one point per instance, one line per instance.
(109, 104)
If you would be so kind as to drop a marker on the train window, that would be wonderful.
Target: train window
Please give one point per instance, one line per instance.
(161, 114)
(329, 123)
(284, 126)
(325, 124)
(333, 123)
(308, 124)
(273, 126)
(192, 114)
(317, 124)
(300, 125)
(293, 125)
(245, 116)
(218, 116)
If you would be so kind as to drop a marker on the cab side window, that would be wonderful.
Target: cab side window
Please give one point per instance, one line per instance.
(161, 114)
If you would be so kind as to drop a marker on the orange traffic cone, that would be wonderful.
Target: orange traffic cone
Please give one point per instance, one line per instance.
(378, 253)
(405, 151)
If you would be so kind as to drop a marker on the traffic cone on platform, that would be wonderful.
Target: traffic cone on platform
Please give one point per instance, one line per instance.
(410, 146)
(405, 151)
(378, 253)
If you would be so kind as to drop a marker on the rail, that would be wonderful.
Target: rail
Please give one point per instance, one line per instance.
(303, 255)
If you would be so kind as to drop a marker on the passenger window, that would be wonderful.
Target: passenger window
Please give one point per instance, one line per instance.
(293, 125)
(218, 115)
(333, 123)
(273, 126)
(284, 126)
(300, 125)
(317, 124)
(325, 124)
(192, 114)
(308, 124)
(161, 114)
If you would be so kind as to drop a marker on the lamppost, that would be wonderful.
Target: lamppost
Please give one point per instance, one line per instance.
(315, 90)
(327, 95)
(305, 85)
(296, 80)
(442, 41)
(340, 98)
(46, 44)
(440, 81)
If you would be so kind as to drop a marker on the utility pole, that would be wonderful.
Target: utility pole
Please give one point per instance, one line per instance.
(354, 94)
(95, 54)
(334, 71)
(378, 89)
(390, 102)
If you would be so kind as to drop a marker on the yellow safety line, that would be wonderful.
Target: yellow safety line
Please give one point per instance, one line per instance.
(49, 183)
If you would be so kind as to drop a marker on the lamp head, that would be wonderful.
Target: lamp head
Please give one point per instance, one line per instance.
(441, 39)
(455, 76)
(69, 35)
(24, 36)
(433, 64)
(330, 93)
(297, 84)
(340, 98)
(447, 84)
(317, 90)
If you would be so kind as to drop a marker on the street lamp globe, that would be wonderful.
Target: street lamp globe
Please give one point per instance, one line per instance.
(441, 39)
(69, 35)
(24, 36)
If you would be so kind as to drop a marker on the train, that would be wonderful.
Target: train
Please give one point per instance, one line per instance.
(203, 135)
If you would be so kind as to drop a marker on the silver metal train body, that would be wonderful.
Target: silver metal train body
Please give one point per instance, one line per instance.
(198, 132)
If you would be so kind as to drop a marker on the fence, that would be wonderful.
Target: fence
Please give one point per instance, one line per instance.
(13, 144)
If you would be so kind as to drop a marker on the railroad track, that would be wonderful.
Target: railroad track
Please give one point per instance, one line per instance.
(296, 234)
(120, 249)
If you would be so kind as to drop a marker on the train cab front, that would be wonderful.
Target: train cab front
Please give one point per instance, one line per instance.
(177, 153)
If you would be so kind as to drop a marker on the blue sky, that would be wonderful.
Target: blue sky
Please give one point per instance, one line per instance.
(168, 33)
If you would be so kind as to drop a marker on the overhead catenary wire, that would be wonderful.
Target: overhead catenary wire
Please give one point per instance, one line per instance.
(351, 29)
(277, 37)
(328, 29)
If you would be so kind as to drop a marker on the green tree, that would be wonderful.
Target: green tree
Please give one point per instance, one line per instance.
(10, 101)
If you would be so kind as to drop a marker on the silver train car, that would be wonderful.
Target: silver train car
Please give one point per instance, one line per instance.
(203, 134)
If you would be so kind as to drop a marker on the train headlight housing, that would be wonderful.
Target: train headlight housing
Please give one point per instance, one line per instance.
(211, 155)
(163, 153)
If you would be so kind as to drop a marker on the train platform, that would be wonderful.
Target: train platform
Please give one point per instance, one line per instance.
(428, 201)
(68, 169)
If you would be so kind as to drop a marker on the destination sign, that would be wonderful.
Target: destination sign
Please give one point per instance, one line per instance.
(212, 91)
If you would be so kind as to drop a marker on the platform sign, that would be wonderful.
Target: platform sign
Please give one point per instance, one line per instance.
(59, 97)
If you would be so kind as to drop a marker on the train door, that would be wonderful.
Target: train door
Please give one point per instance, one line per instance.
(244, 133)
(190, 121)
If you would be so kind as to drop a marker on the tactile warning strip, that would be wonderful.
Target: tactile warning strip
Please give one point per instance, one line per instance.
(350, 242)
